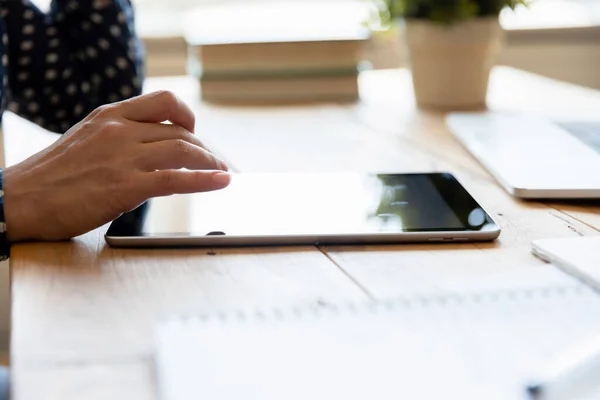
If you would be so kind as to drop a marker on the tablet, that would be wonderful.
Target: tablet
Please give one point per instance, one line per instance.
(264, 209)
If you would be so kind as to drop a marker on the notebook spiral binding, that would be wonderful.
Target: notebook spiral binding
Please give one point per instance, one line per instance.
(388, 305)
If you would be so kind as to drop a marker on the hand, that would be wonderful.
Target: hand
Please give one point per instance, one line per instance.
(115, 159)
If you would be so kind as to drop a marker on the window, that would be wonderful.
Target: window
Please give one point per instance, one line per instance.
(163, 18)
(554, 14)
(159, 18)
(568, 54)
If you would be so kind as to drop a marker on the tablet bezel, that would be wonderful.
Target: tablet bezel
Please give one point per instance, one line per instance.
(125, 230)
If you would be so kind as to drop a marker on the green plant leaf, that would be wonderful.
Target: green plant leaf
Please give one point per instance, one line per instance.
(443, 11)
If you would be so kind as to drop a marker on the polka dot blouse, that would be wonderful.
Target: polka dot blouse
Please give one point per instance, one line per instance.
(58, 66)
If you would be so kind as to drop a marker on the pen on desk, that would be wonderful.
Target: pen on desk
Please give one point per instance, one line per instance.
(574, 373)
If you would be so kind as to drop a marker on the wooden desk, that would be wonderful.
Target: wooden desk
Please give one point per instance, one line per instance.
(83, 313)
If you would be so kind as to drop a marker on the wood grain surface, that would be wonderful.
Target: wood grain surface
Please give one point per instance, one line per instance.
(83, 313)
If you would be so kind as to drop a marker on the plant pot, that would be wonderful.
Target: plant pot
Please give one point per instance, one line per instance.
(451, 64)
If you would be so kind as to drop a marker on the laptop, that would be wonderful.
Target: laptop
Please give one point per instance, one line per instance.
(532, 157)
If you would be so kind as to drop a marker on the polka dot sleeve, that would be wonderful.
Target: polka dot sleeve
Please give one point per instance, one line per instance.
(64, 63)
(4, 243)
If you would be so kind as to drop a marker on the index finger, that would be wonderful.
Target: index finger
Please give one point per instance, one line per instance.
(158, 107)
(168, 182)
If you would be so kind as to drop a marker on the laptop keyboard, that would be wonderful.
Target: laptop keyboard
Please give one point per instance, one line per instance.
(587, 132)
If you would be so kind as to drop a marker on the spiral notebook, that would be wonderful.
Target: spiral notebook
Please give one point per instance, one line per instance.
(460, 347)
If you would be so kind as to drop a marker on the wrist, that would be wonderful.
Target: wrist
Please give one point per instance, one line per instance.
(15, 217)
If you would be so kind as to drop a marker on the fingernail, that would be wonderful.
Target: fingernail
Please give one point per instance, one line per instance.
(221, 177)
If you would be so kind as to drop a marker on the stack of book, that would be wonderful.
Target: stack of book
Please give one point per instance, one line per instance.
(258, 61)
(165, 55)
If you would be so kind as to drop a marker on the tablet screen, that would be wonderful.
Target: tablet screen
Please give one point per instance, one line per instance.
(312, 204)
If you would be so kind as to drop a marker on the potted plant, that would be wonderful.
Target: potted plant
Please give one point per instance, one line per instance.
(452, 46)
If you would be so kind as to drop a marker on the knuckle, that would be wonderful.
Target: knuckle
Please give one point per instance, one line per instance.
(167, 97)
(165, 178)
(101, 111)
(180, 133)
(113, 128)
(181, 146)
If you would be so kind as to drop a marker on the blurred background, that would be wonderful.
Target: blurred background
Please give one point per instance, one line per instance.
(555, 38)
